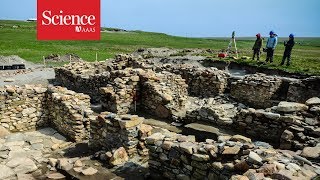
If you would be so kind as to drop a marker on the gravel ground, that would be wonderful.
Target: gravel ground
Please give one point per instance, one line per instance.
(33, 74)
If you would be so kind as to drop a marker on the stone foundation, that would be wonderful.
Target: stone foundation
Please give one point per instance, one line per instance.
(304, 89)
(110, 131)
(23, 108)
(121, 95)
(163, 94)
(83, 77)
(256, 90)
(290, 125)
(33, 106)
(175, 157)
(70, 113)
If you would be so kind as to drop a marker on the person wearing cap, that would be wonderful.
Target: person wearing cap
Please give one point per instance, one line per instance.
(257, 46)
(271, 45)
(288, 48)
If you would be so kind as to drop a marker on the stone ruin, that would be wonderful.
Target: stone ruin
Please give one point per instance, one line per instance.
(282, 112)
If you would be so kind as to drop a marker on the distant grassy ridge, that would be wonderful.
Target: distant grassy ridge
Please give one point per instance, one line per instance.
(22, 41)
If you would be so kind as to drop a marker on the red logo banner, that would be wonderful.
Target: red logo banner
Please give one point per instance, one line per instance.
(68, 19)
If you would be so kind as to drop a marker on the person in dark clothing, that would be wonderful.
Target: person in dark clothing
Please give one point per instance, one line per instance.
(271, 45)
(257, 46)
(287, 52)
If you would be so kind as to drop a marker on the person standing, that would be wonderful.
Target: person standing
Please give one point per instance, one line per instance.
(288, 48)
(257, 46)
(271, 45)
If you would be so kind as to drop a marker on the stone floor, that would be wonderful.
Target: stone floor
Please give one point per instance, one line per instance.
(46, 154)
(25, 153)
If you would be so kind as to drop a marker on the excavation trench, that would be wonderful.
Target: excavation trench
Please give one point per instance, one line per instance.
(174, 118)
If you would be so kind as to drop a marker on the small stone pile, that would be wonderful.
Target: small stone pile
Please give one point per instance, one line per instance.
(176, 157)
(121, 95)
(23, 108)
(70, 112)
(163, 94)
(111, 132)
(293, 125)
(256, 90)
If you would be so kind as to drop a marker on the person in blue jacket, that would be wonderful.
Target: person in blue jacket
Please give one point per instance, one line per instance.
(271, 45)
(288, 48)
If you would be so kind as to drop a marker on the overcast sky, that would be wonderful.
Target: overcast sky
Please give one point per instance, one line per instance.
(197, 18)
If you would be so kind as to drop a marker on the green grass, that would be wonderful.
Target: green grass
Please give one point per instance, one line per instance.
(22, 41)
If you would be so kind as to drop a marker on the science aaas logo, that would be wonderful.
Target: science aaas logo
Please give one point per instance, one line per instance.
(68, 20)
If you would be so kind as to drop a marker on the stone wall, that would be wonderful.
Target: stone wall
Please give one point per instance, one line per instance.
(217, 111)
(110, 131)
(33, 106)
(257, 90)
(203, 82)
(163, 94)
(89, 77)
(303, 90)
(121, 95)
(175, 157)
(290, 125)
(23, 108)
(83, 77)
(70, 113)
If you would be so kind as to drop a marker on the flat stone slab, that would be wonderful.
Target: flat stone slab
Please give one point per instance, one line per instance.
(291, 107)
(14, 162)
(6, 172)
(25, 177)
(311, 152)
(89, 171)
(15, 137)
(313, 101)
(25, 167)
(20, 153)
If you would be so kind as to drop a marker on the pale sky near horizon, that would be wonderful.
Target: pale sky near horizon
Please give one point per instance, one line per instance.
(197, 18)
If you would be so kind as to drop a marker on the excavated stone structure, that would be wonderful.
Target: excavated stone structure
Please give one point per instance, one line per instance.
(33, 106)
(282, 111)
(257, 90)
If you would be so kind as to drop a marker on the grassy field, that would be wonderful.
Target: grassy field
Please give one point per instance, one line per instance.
(22, 41)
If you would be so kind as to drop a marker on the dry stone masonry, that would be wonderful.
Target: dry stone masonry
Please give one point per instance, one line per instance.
(257, 90)
(70, 113)
(118, 136)
(282, 111)
(121, 95)
(33, 106)
(23, 108)
(231, 157)
(302, 90)
(292, 125)
(163, 94)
